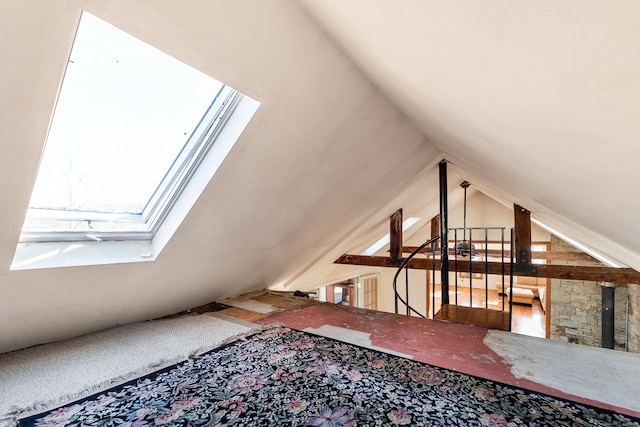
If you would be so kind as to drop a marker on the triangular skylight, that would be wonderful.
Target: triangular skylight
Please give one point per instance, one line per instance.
(384, 240)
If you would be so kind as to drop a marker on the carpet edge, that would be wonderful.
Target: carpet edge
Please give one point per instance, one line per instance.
(258, 330)
(11, 418)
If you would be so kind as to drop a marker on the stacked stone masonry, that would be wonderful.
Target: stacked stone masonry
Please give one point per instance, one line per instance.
(634, 318)
(576, 309)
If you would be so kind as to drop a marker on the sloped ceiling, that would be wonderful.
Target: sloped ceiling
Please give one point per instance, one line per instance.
(322, 153)
(534, 102)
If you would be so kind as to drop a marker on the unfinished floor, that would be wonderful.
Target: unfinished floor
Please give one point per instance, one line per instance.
(49, 375)
(600, 377)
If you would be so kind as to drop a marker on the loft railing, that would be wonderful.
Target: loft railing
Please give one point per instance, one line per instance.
(476, 253)
(462, 255)
(404, 265)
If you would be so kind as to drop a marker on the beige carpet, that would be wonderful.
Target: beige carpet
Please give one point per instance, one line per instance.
(47, 376)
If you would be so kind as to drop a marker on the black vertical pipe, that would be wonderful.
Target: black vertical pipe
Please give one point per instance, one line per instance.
(608, 314)
(444, 235)
(511, 265)
(486, 268)
(406, 289)
(470, 267)
(502, 261)
(433, 284)
(455, 266)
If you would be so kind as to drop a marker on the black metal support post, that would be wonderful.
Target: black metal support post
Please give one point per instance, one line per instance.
(444, 236)
(406, 289)
(608, 314)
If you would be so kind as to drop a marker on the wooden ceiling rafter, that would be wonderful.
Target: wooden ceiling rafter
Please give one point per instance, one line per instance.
(522, 267)
(497, 253)
(568, 272)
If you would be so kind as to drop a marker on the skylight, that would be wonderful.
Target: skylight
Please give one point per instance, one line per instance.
(384, 240)
(131, 126)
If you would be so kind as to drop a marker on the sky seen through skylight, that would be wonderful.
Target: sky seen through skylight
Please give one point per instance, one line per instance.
(124, 113)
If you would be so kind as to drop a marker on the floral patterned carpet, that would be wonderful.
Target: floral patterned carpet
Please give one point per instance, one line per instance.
(283, 377)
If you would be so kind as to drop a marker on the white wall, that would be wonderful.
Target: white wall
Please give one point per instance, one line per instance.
(417, 291)
(286, 193)
(483, 211)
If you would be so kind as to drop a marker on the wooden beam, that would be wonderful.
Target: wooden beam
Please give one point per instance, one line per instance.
(571, 272)
(522, 267)
(422, 263)
(395, 236)
(591, 273)
(546, 255)
(562, 256)
(435, 226)
(522, 222)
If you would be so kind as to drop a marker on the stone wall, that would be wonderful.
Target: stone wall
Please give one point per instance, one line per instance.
(634, 318)
(576, 307)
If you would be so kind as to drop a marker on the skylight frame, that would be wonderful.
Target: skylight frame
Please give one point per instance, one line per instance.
(191, 157)
(163, 198)
(159, 210)
(59, 254)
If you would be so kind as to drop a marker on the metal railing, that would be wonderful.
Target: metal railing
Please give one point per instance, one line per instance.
(459, 258)
(404, 265)
(477, 253)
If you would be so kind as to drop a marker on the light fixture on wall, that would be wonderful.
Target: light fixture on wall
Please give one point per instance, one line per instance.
(464, 247)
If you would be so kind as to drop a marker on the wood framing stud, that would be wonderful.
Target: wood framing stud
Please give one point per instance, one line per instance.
(435, 228)
(522, 221)
(395, 237)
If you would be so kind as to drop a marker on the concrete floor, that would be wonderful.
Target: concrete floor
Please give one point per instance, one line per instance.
(599, 377)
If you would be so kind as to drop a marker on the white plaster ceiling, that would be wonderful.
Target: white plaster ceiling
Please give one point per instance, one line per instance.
(534, 102)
